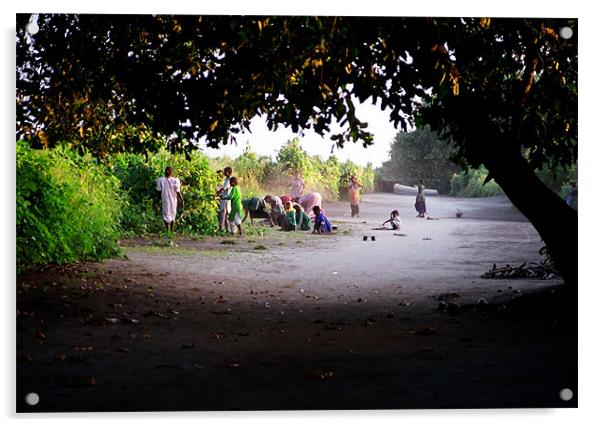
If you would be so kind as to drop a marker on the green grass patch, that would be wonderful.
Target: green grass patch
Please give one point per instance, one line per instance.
(162, 250)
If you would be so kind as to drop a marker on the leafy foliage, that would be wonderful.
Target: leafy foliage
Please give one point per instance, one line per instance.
(514, 77)
(471, 183)
(261, 175)
(138, 176)
(421, 155)
(68, 208)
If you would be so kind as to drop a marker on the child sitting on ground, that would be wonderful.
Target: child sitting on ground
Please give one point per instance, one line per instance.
(301, 217)
(322, 224)
(289, 222)
(394, 220)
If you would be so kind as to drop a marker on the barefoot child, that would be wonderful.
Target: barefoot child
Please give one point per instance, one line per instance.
(394, 220)
(236, 212)
(322, 224)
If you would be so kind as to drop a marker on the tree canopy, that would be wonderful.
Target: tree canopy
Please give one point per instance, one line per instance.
(421, 155)
(108, 81)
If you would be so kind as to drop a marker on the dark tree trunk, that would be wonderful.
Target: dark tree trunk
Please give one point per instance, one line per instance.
(554, 220)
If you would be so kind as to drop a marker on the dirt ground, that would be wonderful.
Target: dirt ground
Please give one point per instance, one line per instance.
(299, 321)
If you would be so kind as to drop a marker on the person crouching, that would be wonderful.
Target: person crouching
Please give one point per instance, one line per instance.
(321, 222)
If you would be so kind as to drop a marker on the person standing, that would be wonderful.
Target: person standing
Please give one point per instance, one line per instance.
(354, 196)
(168, 190)
(297, 185)
(420, 204)
(224, 203)
(236, 211)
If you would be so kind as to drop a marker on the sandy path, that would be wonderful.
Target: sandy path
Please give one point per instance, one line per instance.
(310, 322)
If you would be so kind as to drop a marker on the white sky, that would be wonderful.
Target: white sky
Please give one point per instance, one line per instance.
(265, 142)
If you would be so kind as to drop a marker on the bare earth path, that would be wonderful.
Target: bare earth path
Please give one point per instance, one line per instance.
(298, 321)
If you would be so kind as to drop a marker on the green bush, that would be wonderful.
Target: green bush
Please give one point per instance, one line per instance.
(471, 183)
(559, 179)
(68, 208)
(138, 176)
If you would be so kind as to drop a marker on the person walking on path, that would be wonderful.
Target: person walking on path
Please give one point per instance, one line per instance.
(354, 196)
(420, 204)
(168, 190)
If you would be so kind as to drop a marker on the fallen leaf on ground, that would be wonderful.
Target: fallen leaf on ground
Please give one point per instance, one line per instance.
(320, 374)
(22, 357)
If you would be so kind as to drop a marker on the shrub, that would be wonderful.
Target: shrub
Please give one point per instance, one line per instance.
(471, 183)
(138, 176)
(68, 207)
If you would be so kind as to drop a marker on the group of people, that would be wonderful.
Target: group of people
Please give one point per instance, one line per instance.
(291, 212)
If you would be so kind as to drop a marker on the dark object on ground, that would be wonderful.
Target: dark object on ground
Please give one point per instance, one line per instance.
(534, 271)
(459, 213)
(454, 308)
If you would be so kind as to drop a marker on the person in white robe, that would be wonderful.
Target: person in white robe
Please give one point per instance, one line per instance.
(168, 188)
